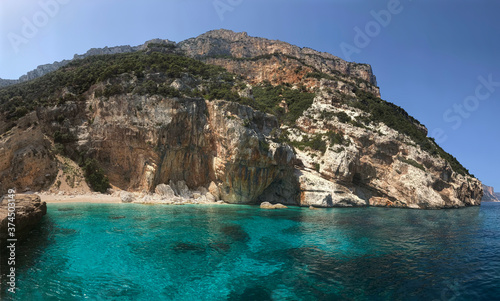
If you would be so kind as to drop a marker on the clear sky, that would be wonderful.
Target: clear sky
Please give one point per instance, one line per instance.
(439, 60)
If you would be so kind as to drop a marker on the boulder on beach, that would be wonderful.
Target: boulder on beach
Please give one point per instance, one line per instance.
(267, 205)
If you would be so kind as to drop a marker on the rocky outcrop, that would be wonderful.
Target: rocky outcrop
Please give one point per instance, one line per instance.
(489, 194)
(245, 161)
(29, 211)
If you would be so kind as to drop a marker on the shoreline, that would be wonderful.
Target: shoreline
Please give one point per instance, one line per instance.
(98, 198)
(82, 198)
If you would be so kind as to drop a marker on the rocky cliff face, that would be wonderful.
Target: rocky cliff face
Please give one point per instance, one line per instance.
(184, 139)
(144, 141)
(26, 157)
(155, 123)
(489, 194)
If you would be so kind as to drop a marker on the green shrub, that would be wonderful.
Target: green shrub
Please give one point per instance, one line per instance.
(335, 138)
(343, 117)
(316, 142)
(412, 163)
(268, 99)
(63, 137)
(167, 91)
(20, 111)
(95, 176)
(110, 90)
(264, 146)
(222, 90)
(58, 148)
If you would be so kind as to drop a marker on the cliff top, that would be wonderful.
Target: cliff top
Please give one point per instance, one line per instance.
(221, 42)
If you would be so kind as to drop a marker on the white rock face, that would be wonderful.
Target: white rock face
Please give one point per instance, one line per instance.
(319, 192)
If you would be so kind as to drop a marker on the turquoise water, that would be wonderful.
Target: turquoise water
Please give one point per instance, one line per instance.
(139, 252)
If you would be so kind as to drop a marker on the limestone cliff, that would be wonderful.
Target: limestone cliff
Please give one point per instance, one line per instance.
(247, 118)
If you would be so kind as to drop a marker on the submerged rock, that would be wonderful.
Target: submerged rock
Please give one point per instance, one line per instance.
(183, 247)
(220, 246)
(116, 217)
(236, 232)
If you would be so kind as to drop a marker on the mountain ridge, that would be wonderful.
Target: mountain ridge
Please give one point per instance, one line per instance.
(215, 34)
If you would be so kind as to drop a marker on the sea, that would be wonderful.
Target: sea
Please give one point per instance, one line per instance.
(235, 252)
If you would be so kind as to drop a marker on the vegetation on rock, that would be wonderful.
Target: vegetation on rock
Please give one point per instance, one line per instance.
(273, 100)
(95, 176)
(398, 119)
(72, 81)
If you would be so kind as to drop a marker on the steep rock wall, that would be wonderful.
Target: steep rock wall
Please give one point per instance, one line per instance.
(143, 141)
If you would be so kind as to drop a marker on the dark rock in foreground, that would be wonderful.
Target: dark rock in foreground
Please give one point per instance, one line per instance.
(29, 211)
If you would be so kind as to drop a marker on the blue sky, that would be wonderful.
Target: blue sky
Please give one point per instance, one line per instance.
(439, 60)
